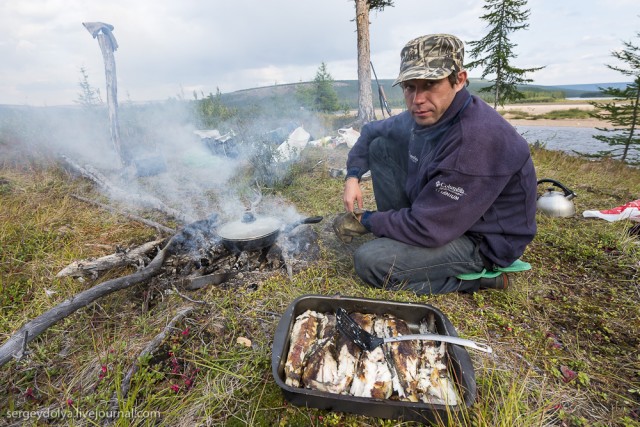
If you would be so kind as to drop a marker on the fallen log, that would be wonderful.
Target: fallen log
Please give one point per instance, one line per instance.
(16, 345)
(143, 200)
(131, 216)
(92, 267)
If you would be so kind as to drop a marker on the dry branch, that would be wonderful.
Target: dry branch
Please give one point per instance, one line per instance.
(15, 346)
(91, 267)
(143, 200)
(151, 347)
(131, 216)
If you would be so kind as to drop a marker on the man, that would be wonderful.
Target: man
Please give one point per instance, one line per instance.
(454, 183)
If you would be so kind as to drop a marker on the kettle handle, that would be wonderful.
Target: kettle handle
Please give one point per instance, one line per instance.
(567, 193)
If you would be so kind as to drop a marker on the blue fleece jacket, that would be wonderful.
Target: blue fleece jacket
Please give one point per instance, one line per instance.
(471, 173)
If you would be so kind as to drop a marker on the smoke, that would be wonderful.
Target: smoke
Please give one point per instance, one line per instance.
(168, 160)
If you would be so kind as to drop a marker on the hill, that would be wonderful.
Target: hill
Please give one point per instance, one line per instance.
(347, 91)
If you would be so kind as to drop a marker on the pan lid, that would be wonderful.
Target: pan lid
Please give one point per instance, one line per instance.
(249, 227)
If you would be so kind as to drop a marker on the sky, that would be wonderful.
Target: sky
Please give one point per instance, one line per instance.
(171, 48)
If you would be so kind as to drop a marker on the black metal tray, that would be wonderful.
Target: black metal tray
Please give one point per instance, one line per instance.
(460, 366)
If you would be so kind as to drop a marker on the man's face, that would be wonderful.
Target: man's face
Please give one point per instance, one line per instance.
(427, 100)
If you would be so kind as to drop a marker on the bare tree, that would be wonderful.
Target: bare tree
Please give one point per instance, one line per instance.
(365, 94)
(108, 44)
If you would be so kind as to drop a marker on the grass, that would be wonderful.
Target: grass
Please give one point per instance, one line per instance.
(565, 336)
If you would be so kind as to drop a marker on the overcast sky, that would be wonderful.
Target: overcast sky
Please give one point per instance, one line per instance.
(169, 47)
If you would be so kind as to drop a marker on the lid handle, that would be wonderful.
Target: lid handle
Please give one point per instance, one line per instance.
(248, 217)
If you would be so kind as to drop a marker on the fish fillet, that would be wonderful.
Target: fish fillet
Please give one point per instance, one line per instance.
(402, 359)
(303, 336)
(434, 385)
(373, 377)
(321, 368)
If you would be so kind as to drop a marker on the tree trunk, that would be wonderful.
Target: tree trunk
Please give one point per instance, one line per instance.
(365, 95)
(112, 92)
(108, 44)
(634, 119)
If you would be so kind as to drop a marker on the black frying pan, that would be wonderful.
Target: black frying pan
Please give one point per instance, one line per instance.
(253, 232)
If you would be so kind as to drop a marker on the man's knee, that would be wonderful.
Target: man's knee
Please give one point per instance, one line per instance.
(379, 147)
(367, 266)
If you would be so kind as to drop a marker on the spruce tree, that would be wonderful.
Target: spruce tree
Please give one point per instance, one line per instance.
(325, 96)
(624, 111)
(88, 96)
(494, 51)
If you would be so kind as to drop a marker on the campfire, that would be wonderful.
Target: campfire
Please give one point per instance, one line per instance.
(200, 258)
(194, 255)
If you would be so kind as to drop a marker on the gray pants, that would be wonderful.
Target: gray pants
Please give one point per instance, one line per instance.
(387, 263)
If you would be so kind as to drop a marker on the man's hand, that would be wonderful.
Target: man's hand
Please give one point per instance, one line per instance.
(347, 226)
(352, 196)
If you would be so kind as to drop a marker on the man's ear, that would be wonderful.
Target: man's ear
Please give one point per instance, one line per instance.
(462, 80)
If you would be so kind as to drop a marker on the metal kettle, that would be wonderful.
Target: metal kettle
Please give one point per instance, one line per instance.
(556, 203)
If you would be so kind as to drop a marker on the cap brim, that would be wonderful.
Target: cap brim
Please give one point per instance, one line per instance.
(422, 74)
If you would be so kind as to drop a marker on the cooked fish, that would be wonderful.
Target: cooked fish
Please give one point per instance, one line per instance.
(321, 368)
(373, 377)
(402, 359)
(331, 364)
(348, 354)
(303, 337)
(434, 385)
(323, 359)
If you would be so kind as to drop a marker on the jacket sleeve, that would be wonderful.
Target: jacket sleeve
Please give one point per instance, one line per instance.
(398, 126)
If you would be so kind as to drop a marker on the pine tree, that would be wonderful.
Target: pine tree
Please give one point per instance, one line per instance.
(320, 95)
(504, 17)
(624, 111)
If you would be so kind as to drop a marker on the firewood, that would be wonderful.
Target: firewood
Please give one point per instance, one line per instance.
(92, 267)
(16, 345)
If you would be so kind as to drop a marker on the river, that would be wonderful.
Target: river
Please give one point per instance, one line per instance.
(568, 139)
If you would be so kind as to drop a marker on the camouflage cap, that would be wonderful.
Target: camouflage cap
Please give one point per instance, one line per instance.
(432, 57)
